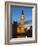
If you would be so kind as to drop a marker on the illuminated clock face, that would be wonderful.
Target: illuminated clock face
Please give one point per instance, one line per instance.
(22, 17)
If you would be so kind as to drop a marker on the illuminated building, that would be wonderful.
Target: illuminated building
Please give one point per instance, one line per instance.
(20, 28)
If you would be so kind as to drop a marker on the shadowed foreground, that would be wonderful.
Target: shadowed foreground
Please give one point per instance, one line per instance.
(27, 33)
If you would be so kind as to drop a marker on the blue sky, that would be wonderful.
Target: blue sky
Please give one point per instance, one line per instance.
(16, 12)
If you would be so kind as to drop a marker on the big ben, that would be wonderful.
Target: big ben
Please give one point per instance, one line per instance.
(22, 22)
(21, 25)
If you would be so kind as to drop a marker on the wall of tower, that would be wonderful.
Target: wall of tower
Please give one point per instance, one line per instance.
(22, 24)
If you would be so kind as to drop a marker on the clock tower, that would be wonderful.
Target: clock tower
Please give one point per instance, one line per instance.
(20, 28)
(22, 22)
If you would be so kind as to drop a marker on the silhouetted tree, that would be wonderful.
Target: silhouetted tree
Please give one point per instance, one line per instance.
(14, 29)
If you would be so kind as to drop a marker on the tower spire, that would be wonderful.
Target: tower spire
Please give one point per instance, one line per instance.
(22, 12)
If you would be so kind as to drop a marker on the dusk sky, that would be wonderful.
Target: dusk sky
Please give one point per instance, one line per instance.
(16, 12)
